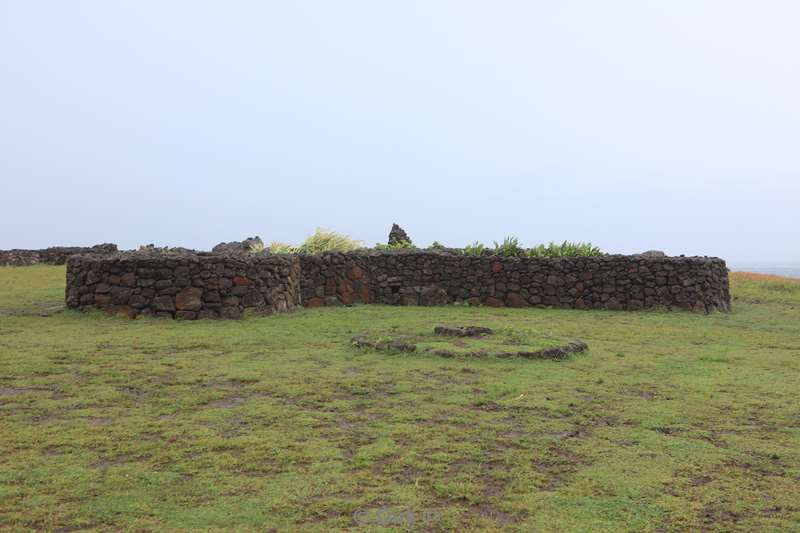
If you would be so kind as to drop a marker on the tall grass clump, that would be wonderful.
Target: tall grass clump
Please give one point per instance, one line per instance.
(277, 247)
(510, 247)
(256, 247)
(565, 249)
(328, 241)
(476, 249)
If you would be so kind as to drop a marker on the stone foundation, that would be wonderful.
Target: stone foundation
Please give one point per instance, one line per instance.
(56, 255)
(187, 286)
(614, 282)
(202, 285)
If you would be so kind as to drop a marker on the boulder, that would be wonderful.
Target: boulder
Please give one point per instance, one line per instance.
(653, 253)
(189, 299)
(239, 247)
(433, 295)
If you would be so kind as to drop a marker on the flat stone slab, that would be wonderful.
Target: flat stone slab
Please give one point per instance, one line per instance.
(462, 331)
(554, 352)
(383, 344)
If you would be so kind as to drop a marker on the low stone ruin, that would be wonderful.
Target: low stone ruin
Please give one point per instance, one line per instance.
(420, 277)
(462, 331)
(55, 255)
(392, 344)
(381, 344)
(554, 352)
(406, 277)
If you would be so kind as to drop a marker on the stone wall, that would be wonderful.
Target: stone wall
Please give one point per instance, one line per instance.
(614, 282)
(56, 255)
(184, 285)
(203, 285)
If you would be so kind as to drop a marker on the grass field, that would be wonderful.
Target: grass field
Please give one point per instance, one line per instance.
(670, 422)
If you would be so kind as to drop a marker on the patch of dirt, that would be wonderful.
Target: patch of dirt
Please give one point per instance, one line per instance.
(761, 467)
(715, 439)
(70, 529)
(490, 406)
(716, 516)
(343, 424)
(559, 465)
(117, 460)
(492, 486)
(227, 402)
(669, 430)
(490, 512)
(52, 450)
(234, 427)
(135, 393)
(699, 481)
(13, 391)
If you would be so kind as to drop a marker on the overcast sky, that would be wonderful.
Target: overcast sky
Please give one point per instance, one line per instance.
(634, 125)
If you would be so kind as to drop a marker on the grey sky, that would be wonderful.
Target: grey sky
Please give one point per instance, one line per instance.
(634, 125)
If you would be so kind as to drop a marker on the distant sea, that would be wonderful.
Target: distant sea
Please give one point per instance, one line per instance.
(791, 271)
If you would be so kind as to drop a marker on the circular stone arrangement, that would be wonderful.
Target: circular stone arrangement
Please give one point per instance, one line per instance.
(409, 343)
(187, 284)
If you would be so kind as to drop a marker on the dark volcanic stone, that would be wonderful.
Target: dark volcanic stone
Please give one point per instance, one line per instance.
(556, 352)
(653, 253)
(189, 299)
(462, 331)
(154, 282)
(382, 344)
(397, 235)
(239, 247)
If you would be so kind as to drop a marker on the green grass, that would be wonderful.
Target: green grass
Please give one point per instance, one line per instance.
(671, 421)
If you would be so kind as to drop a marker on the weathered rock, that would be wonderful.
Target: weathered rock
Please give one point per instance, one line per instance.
(491, 301)
(556, 352)
(409, 296)
(433, 295)
(189, 299)
(462, 331)
(515, 300)
(397, 235)
(315, 302)
(163, 304)
(247, 246)
(383, 344)
(653, 253)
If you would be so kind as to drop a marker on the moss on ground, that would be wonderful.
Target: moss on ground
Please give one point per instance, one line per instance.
(672, 421)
